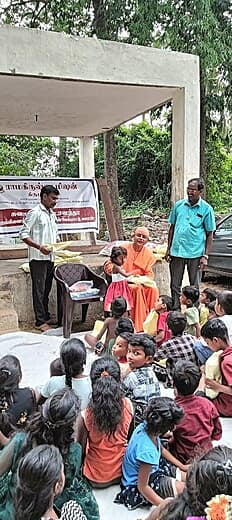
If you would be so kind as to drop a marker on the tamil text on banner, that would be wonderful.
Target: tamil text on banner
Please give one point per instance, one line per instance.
(76, 209)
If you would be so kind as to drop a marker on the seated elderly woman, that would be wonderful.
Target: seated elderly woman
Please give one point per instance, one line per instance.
(139, 261)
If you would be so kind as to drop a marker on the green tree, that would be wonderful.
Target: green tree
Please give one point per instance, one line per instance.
(201, 27)
(27, 156)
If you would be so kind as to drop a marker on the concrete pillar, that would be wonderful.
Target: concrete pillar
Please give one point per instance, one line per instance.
(185, 139)
(86, 157)
(87, 170)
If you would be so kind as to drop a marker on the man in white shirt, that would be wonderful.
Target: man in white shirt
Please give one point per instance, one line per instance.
(39, 229)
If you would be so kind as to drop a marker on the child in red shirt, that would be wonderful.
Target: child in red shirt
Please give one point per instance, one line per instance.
(215, 334)
(162, 307)
(200, 425)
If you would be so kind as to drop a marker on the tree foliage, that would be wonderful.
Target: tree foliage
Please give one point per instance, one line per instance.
(143, 161)
(27, 156)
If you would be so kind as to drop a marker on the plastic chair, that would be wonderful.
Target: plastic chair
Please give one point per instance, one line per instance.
(66, 275)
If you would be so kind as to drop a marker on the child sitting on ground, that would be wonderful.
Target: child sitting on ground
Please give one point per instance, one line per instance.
(206, 297)
(209, 477)
(194, 434)
(119, 285)
(141, 384)
(162, 307)
(73, 358)
(189, 296)
(120, 350)
(216, 336)
(179, 346)
(104, 425)
(201, 350)
(118, 308)
(149, 471)
(223, 308)
(16, 404)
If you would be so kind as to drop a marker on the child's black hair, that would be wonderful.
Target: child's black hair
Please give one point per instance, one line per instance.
(126, 335)
(56, 368)
(224, 299)
(186, 377)
(176, 322)
(118, 307)
(107, 395)
(211, 306)
(215, 328)
(167, 300)
(206, 478)
(10, 377)
(211, 294)
(191, 293)
(38, 473)
(73, 357)
(161, 415)
(124, 325)
(144, 341)
(54, 423)
(117, 251)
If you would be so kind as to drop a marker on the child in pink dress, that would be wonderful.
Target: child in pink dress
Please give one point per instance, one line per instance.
(119, 285)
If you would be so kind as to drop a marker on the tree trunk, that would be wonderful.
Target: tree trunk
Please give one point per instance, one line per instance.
(202, 126)
(110, 168)
(62, 156)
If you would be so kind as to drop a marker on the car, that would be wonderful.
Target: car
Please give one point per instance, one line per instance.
(220, 257)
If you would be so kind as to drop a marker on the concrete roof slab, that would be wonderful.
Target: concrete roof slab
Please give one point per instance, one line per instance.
(81, 87)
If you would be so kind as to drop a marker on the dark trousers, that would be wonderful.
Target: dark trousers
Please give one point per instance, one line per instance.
(41, 275)
(177, 267)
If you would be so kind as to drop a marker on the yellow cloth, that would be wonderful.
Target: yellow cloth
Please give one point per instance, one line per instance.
(150, 323)
(96, 329)
(141, 280)
(204, 314)
(61, 255)
(212, 371)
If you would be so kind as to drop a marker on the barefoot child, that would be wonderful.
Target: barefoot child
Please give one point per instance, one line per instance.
(118, 308)
(119, 285)
(149, 470)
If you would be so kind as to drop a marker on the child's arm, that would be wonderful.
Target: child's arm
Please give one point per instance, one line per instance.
(118, 269)
(214, 385)
(217, 429)
(143, 485)
(81, 433)
(159, 336)
(3, 439)
(198, 329)
(168, 456)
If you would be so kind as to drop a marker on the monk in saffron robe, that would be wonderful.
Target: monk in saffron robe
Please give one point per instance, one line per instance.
(139, 261)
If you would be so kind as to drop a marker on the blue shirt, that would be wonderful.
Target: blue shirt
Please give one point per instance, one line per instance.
(191, 223)
(140, 449)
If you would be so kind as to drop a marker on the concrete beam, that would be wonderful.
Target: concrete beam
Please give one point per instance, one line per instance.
(185, 139)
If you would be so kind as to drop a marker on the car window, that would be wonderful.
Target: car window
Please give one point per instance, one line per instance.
(225, 228)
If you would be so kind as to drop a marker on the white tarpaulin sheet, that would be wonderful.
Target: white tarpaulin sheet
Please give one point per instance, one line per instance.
(76, 209)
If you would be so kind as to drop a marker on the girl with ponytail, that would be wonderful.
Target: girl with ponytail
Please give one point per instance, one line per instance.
(16, 404)
(40, 479)
(104, 424)
(54, 424)
(73, 358)
(149, 471)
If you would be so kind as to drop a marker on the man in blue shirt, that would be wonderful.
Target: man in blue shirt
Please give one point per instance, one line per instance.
(190, 238)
